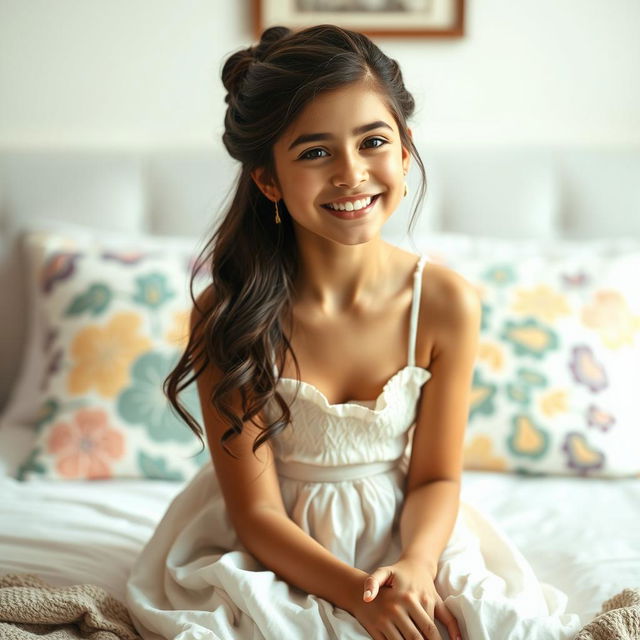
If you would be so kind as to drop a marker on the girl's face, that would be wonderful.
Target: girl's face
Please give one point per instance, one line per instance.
(344, 146)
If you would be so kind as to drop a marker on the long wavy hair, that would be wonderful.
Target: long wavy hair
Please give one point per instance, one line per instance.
(253, 262)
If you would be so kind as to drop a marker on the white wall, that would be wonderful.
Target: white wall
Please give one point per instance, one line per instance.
(145, 73)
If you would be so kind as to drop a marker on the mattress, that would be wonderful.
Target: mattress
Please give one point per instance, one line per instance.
(581, 535)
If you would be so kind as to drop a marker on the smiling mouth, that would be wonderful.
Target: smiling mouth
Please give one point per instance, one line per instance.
(333, 210)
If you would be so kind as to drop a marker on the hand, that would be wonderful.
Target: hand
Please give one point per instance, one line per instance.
(399, 603)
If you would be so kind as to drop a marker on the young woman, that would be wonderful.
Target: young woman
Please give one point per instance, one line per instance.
(334, 373)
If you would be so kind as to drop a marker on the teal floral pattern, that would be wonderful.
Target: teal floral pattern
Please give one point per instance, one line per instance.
(144, 403)
(94, 300)
(152, 290)
(114, 318)
(553, 390)
(500, 275)
(482, 401)
(529, 338)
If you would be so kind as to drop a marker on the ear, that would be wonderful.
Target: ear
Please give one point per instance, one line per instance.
(268, 188)
(406, 155)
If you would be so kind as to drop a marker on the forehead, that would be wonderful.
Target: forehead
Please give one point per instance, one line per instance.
(339, 111)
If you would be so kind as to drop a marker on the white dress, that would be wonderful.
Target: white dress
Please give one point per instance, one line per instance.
(341, 469)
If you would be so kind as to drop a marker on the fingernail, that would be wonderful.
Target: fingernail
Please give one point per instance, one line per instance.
(367, 594)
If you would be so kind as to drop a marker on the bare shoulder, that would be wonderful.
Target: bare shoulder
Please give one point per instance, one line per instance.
(449, 305)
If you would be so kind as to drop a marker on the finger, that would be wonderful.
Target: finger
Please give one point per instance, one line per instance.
(448, 619)
(391, 632)
(420, 626)
(370, 589)
(424, 622)
(372, 583)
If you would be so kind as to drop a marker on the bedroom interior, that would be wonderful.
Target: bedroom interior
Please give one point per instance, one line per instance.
(529, 131)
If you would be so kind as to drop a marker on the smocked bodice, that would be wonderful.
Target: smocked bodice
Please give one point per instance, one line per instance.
(354, 432)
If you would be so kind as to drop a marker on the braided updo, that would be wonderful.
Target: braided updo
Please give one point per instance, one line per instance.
(253, 262)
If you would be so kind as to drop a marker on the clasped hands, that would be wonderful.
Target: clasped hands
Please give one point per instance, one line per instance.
(400, 602)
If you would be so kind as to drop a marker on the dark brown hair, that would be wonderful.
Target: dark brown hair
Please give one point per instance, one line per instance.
(252, 261)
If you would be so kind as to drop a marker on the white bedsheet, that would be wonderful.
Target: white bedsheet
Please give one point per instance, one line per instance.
(582, 536)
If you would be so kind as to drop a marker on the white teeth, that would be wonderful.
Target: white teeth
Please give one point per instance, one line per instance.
(351, 206)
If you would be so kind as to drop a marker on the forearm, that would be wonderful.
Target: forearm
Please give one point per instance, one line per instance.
(427, 520)
(282, 546)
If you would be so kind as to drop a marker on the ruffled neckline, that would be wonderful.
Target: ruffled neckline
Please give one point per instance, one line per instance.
(401, 377)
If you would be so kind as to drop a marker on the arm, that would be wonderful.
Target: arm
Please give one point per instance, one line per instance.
(433, 480)
(252, 495)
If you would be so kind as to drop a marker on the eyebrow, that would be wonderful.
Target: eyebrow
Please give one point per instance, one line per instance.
(310, 137)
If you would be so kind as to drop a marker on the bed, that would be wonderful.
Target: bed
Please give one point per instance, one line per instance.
(567, 494)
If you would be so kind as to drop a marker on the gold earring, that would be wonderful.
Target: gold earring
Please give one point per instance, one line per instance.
(278, 221)
(406, 190)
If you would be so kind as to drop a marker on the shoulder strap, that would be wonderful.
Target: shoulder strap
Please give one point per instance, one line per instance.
(415, 308)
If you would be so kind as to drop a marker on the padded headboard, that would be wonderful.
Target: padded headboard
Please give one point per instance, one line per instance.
(511, 192)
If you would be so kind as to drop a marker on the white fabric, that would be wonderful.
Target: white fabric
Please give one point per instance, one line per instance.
(195, 579)
(582, 535)
(73, 532)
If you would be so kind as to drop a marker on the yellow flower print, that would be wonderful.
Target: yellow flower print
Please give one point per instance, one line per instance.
(478, 454)
(178, 333)
(554, 402)
(103, 355)
(492, 354)
(542, 302)
(610, 316)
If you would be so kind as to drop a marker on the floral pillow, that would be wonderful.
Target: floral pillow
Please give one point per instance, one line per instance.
(112, 320)
(555, 388)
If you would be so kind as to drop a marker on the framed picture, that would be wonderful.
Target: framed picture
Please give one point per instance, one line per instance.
(420, 18)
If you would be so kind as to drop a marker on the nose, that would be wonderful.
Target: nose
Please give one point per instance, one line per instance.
(350, 171)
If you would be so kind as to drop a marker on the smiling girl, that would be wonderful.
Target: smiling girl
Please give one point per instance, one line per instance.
(334, 374)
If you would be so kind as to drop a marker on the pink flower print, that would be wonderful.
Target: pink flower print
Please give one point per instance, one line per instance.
(581, 456)
(610, 315)
(124, 257)
(587, 370)
(86, 446)
(59, 266)
(599, 419)
(577, 279)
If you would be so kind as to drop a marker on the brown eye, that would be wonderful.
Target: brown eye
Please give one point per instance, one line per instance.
(306, 156)
(381, 140)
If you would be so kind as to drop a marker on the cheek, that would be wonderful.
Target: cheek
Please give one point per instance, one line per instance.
(387, 169)
(302, 185)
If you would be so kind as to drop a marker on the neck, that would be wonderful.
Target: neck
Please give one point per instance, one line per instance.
(335, 278)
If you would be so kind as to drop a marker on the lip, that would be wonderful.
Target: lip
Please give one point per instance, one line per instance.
(352, 215)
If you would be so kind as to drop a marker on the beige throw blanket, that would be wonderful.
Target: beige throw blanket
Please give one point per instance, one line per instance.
(618, 620)
(30, 608)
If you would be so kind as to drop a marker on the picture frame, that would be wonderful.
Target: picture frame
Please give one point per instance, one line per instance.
(392, 18)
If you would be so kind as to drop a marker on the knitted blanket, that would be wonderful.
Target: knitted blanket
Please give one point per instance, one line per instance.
(618, 620)
(30, 608)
